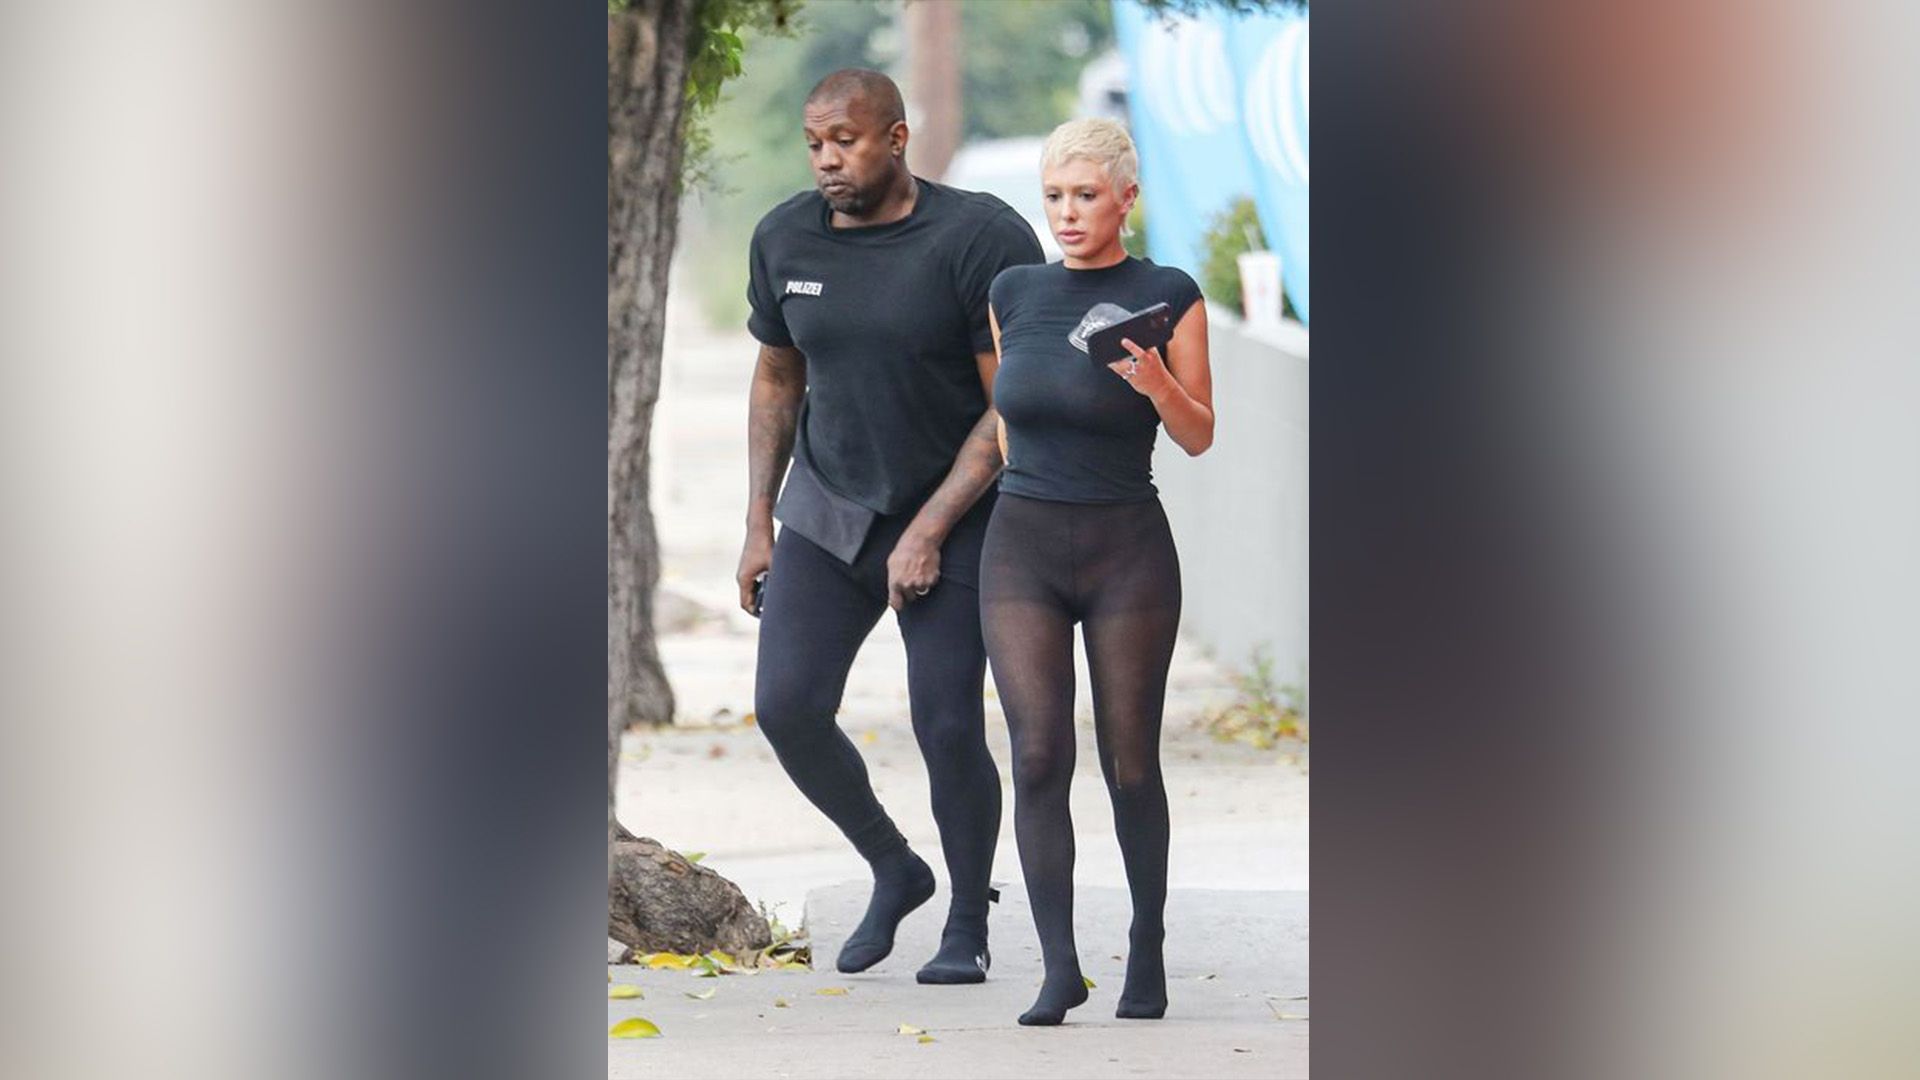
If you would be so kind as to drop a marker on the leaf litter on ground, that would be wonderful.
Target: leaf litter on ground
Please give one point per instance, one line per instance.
(1279, 1015)
(634, 1028)
(624, 991)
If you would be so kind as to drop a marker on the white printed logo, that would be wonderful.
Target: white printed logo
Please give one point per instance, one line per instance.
(804, 288)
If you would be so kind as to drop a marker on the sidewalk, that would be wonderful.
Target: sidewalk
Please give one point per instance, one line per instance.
(1236, 962)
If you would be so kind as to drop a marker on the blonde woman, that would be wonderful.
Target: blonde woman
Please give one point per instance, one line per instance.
(1078, 537)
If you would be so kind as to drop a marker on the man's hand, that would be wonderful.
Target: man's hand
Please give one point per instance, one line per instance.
(756, 558)
(912, 570)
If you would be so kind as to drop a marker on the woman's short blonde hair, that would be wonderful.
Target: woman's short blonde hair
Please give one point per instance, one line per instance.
(1103, 142)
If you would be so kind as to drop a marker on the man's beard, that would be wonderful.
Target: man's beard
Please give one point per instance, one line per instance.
(851, 200)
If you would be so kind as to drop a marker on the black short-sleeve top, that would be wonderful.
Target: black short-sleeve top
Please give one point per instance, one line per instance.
(1076, 432)
(889, 318)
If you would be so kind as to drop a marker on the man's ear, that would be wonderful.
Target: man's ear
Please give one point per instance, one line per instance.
(898, 136)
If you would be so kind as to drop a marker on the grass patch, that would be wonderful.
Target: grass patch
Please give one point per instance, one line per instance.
(1265, 713)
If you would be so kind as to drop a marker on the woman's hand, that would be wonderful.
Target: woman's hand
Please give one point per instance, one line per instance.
(1146, 372)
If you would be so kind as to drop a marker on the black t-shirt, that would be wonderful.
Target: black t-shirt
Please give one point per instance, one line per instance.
(889, 318)
(1076, 432)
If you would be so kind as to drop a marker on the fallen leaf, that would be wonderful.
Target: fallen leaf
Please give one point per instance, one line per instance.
(664, 960)
(869, 737)
(1291, 1016)
(909, 1029)
(634, 1028)
(832, 991)
(716, 751)
(779, 1003)
(1208, 975)
(1088, 981)
(749, 720)
(623, 991)
(723, 958)
(926, 1039)
(693, 856)
(702, 995)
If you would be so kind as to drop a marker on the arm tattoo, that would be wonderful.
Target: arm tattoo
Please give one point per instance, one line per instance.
(974, 470)
(773, 415)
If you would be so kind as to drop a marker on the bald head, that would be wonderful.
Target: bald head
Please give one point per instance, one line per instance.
(859, 88)
(856, 132)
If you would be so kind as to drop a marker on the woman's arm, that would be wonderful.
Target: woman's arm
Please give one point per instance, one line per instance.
(993, 323)
(1184, 394)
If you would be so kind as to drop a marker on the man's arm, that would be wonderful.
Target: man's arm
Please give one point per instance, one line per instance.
(914, 566)
(773, 416)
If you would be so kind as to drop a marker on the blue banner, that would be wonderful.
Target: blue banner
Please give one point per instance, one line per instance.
(1218, 108)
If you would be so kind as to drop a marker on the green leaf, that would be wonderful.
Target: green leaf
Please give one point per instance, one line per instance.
(1088, 981)
(832, 991)
(623, 992)
(694, 856)
(634, 1028)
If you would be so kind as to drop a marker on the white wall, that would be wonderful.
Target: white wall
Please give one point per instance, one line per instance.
(1239, 511)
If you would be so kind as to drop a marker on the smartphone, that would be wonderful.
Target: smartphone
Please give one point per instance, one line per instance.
(759, 592)
(1149, 328)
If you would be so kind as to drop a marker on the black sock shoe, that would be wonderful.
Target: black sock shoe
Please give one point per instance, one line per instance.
(963, 956)
(1145, 995)
(900, 884)
(1058, 994)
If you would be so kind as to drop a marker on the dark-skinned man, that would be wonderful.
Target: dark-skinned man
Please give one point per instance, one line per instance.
(869, 299)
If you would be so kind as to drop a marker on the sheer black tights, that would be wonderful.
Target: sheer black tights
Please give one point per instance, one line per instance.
(1113, 570)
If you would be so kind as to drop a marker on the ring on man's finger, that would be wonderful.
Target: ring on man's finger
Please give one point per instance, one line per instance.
(923, 592)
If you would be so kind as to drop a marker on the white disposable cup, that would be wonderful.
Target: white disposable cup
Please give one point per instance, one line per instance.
(1260, 288)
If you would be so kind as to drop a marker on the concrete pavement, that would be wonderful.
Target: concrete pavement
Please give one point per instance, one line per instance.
(1236, 965)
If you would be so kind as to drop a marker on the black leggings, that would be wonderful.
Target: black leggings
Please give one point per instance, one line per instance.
(816, 613)
(1113, 569)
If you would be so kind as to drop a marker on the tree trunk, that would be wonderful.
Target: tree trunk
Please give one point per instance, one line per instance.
(933, 44)
(646, 105)
(657, 901)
